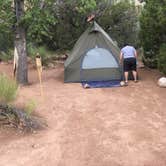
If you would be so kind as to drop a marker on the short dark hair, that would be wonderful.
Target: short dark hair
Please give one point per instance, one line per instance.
(125, 44)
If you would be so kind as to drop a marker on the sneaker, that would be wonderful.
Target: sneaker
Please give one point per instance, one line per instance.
(86, 86)
(135, 81)
(126, 84)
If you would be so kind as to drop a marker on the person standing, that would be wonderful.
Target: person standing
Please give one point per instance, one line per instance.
(128, 55)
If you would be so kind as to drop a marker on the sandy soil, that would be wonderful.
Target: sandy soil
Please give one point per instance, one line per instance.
(123, 126)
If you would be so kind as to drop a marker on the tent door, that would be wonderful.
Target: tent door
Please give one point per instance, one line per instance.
(99, 64)
(99, 58)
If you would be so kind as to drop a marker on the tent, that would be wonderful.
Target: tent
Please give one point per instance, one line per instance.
(95, 57)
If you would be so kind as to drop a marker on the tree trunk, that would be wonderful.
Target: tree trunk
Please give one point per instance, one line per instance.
(20, 45)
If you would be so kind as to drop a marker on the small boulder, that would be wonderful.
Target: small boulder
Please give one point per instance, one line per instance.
(162, 82)
(122, 83)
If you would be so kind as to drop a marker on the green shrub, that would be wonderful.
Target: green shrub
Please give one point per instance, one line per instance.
(30, 107)
(150, 62)
(43, 52)
(6, 38)
(162, 59)
(8, 89)
(5, 56)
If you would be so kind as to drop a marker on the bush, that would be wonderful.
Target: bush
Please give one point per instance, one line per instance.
(5, 56)
(8, 89)
(121, 23)
(43, 52)
(14, 117)
(6, 39)
(150, 62)
(152, 33)
(162, 59)
(30, 107)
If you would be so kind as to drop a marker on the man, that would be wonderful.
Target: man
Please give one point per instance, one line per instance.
(129, 55)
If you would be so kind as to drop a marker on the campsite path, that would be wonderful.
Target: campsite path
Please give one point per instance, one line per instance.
(90, 127)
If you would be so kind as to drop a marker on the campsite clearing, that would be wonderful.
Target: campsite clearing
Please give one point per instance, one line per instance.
(123, 126)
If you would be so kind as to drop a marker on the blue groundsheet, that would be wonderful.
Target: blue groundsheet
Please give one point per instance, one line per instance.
(100, 84)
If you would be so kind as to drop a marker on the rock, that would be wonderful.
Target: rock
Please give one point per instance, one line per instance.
(122, 83)
(35, 146)
(162, 82)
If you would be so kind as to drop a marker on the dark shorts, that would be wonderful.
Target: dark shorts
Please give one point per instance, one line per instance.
(129, 64)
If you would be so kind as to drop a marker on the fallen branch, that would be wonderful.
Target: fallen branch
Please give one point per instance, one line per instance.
(19, 119)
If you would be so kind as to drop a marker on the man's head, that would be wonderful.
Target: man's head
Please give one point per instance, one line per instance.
(90, 18)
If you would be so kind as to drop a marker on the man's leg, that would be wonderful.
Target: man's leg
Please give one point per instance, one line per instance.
(126, 73)
(134, 75)
(126, 69)
(134, 69)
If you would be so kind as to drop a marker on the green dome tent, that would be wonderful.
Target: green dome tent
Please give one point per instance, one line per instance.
(95, 57)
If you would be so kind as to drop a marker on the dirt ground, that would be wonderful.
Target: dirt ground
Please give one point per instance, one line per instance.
(123, 126)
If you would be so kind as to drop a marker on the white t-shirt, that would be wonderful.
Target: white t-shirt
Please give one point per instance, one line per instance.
(128, 52)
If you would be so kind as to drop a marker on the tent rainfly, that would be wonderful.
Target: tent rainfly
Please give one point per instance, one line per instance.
(93, 58)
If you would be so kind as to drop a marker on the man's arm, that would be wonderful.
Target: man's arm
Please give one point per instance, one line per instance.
(120, 57)
(135, 53)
